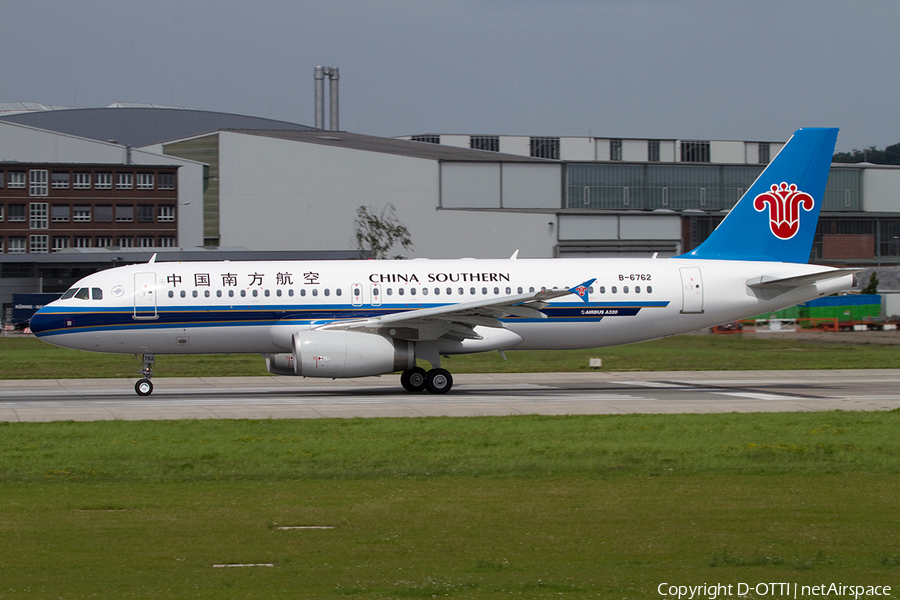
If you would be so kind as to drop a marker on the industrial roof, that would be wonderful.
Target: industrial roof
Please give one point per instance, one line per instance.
(369, 143)
(143, 126)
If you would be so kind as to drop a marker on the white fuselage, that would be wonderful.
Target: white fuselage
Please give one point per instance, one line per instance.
(256, 307)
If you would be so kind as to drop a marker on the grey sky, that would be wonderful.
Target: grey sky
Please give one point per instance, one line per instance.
(703, 69)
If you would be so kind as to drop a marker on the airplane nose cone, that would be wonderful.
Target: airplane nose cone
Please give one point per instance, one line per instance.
(43, 322)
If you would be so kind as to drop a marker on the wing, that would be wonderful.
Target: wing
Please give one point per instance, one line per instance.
(458, 321)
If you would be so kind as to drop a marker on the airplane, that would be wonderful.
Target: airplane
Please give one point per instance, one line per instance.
(361, 318)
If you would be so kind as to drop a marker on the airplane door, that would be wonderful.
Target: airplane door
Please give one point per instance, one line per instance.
(692, 290)
(145, 296)
(356, 295)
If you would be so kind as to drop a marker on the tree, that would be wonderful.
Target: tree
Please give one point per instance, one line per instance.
(872, 287)
(888, 156)
(376, 233)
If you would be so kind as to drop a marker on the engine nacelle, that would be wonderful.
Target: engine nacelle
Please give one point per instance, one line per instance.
(335, 353)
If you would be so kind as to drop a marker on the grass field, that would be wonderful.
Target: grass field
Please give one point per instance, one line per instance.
(474, 508)
(29, 358)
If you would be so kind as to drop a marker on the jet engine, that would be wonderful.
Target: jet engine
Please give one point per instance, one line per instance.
(336, 353)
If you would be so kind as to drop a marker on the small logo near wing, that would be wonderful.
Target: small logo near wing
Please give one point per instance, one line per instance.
(784, 208)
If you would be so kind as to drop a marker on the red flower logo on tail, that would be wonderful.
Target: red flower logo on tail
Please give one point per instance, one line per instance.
(784, 208)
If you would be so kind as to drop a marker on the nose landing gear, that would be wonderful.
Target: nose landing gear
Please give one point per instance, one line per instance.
(144, 387)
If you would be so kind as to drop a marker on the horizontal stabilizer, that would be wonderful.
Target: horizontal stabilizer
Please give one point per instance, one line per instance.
(766, 282)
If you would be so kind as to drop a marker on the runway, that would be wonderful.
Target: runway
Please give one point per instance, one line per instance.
(472, 395)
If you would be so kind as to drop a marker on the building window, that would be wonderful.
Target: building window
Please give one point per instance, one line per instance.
(1, 212)
(60, 243)
(104, 241)
(37, 182)
(695, 152)
(16, 213)
(103, 181)
(1, 245)
(124, 213)
(124, 181)
(103, 214)
(38, 244)
(81, 214)
(652, 150)
(485, 142)
(16, 246)
(38, 215)
(82, 242)
(166, 214)
(167, 181)
(16, 180)
(59, 213)
(145, 213)
(145, 242)
(763, 154)
(82, 181)
(125, 242)
(1, 179)
(145, 181)
(615, 150)
(545, 147)
(167, 242)
(430, 139)
(59, 181)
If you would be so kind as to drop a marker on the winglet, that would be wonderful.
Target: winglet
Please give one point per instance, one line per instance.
(152, 259)
(581, 290)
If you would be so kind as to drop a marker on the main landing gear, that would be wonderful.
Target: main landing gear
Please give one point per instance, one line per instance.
(144, 387)
(436, 381)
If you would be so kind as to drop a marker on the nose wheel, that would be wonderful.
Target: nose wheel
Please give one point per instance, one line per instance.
(144, 387)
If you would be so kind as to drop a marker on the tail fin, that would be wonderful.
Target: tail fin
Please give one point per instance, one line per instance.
(776, 219)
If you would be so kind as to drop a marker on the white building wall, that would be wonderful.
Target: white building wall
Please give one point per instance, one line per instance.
(727, 152)
(457, 141)
(601, 148)
(528, 185)
(282, 195)
(667, 151)
(881, 189)
(515, 144)
(575, 148)
(470, 185)
(634, 150)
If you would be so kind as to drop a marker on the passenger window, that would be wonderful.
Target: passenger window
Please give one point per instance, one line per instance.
(390, 291)
(303, 292)
(461, 292)
(255, 293)
(278, 293)
(291, 292)
(218, 293)
(171, 294)
(496, 291)
(531, 290)
(625, 289)
(96, 294)
(266, 293)
(243, 293)
(613, 289)
(194, 293)
(412, 291)
(649, 289)
(424, 291)
(206, 293)
(602, 289)
(337, 292)
(231, 293)
(400, 291)
(591, 290)
(83, 294)
(449, 291)
(437, 291)
(327, 292)
(183, 294)
(472, 291)
(520, 290)
(637, 289)
(315, 292)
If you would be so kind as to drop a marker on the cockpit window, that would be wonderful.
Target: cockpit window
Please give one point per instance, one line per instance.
(83, 294)
(69, 293)
(96, 294)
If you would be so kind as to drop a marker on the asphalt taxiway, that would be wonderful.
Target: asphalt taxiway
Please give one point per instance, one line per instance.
(472, 395)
